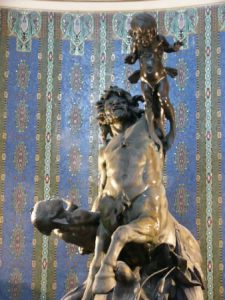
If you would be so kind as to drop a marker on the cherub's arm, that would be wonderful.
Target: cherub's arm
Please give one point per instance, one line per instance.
(133, 56)
(103, 178)
(167, 47)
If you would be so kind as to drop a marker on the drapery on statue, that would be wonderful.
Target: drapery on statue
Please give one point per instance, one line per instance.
(140, 250)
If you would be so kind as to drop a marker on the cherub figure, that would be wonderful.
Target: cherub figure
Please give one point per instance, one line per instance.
(148, 47)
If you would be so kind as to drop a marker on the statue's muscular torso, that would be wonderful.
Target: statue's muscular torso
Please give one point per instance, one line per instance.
(133, 167)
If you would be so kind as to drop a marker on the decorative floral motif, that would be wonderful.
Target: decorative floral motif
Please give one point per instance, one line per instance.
(19, 198)
(74, 196)
(23, 75)
(75, 119)
(181, 200)
(182, 76)
(181, 116)
(76, 78)
(181, 23)
(77, 28)
(71, 250)
(74, 160)
(17, 241)
(15, 281)
(24, 25)
(71, 281)
(121, 26)
(22, 116)
(221, 17)
(20, 157)
(181, 158)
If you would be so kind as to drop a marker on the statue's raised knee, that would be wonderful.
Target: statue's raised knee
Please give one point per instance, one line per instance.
(104, 280)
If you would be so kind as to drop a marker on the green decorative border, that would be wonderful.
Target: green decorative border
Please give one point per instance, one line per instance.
(3, 116)
(93, 127)
(208, 149)
(200, 140)
(40, 152)
(216, 158)
(55, 150)
(49, 99)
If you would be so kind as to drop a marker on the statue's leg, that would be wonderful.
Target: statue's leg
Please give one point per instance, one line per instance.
(148, 94)
(163, 94)
(139, 231)
(102, 240)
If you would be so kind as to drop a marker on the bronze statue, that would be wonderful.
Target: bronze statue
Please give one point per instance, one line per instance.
(140, 251)
(130, 217)
(148, 47)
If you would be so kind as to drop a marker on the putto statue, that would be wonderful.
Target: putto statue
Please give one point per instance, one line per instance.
(140, 251)
(148, 47)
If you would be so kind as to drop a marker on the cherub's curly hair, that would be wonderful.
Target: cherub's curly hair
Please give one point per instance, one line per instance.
(133, 106)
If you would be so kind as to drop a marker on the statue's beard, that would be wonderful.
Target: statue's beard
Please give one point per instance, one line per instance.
(119, 115)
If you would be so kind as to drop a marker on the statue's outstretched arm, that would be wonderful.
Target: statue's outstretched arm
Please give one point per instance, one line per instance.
(167, 47)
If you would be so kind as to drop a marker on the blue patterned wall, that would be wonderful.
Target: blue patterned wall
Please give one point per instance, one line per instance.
(53, 69)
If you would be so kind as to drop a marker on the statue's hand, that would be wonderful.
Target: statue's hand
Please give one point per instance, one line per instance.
(177, 45)
(130, 59)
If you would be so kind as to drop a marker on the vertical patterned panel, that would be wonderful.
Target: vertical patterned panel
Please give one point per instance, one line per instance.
(19, 170)
(3, 119)
(74, 138)
(221, 50)
(55, 155)
(208, 174)
(215, 135)
(40, 151)
(181, 159)
(200, 137)
(48, 99)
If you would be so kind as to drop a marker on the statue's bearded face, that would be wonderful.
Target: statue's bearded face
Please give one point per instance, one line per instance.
(116, 109)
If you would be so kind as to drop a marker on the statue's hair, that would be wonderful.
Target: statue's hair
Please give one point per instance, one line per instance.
(143, 21)
(134, 111)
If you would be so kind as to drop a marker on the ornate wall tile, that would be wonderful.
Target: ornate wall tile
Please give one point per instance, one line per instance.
(24, 25)
(22, 116)
(75, 119)
(221, 17)
(19, 198)
(121, 26)
(76, 78)
(181, 200)
(17, 241)
(71, 250)
(23, 75)
(74, 160)
(77, 28)
(15, 282)
(74, 195)
(182, 77)
(20, 157)
(181, 157)
(181, 116)
(181, 23)
(71, 281)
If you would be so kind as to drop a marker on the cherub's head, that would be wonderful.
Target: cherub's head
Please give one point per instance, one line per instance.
(143, 28)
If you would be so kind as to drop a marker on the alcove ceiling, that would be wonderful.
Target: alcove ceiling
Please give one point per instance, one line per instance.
(101, 5)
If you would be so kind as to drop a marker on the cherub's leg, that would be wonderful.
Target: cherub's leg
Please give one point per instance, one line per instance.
(163, 94)
(139, 231)
(148, 95)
